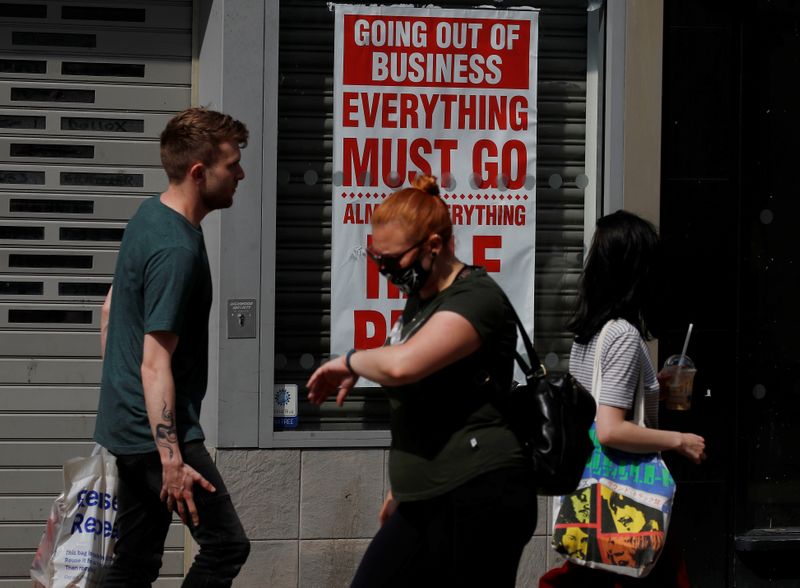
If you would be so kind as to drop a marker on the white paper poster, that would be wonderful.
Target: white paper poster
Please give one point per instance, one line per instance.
(451, 93)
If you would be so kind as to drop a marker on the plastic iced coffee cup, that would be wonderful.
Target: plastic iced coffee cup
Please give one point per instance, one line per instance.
(677, 378)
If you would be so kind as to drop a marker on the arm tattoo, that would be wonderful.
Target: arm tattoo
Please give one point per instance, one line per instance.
(166, 434)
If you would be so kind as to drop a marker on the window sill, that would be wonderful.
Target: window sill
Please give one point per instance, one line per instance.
(322, 439)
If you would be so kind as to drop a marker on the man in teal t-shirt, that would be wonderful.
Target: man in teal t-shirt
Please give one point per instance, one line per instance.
(154, 334)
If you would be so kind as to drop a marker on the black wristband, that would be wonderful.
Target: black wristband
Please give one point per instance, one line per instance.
(347, 357)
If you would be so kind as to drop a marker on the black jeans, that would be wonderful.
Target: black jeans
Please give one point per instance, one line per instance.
(471, 536)
(144, 520)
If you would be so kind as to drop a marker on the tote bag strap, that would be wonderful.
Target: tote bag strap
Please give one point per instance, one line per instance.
(597, 377)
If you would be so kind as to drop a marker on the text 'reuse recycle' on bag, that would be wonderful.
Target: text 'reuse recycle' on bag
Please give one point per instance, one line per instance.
(78, 542)
(551, 414)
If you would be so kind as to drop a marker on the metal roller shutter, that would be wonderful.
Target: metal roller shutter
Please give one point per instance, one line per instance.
(302, 313)
(85, 89)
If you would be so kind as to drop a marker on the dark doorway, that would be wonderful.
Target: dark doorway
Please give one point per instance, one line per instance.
(729, 204)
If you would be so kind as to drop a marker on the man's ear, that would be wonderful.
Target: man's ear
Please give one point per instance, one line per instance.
(197, 172)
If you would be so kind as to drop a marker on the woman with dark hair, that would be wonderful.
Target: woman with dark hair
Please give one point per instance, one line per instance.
(618, 284)
(463, 500)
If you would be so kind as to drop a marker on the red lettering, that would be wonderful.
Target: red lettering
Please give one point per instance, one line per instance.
(349, 215)
(519, 116)
(445, 146)
(480, 243)
(497, 112)
(485, 166)
(478, 166)
(448, 100)
(455, 210)
(429, 104)
(348, 108)
(519, 215)
(393, 175)
(362, 319)
(367, 213)
(365, 167)
(408, 111)
(389, 109)
(467, 111)
(418, 160)
(396, 157)
(370, 108)
(518, 147)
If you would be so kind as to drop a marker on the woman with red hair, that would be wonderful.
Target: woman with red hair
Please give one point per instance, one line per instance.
(462, 503)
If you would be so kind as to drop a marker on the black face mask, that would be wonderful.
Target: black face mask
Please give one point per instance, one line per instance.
(409, 280)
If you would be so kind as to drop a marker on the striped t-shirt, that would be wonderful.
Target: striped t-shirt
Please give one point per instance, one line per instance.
(624, 355)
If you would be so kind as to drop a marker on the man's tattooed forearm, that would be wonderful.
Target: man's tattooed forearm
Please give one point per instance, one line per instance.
(166, 435)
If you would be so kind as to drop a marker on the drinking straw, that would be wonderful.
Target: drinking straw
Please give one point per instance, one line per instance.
(685, 346)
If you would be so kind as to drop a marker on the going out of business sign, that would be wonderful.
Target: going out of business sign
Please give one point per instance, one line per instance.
(449, 93)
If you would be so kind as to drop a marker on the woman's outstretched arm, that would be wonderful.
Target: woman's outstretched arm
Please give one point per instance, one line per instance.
(444, 339)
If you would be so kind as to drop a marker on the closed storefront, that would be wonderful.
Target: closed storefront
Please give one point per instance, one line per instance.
(85, 89)
(305, 179)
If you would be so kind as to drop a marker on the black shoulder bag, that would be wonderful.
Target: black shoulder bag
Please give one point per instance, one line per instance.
(551, 414)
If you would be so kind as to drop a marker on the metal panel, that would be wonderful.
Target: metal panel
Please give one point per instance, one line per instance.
(78, 150)
(35, 39)
(85, 89)
(86, 205)
(66, 288)
(16, 509)
(58, 344)
(138, 69)
(47, 370)
(304, 191)
(58, 233)
(30, 481)
(97, 123)
(46, 426)
(19, 93)
(60, 261)
(41, 453)
(82, 179)
(56, 398)
(90, 14)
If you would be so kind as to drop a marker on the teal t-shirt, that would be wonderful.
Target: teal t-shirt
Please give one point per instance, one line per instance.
(446, 428)
(162, 282)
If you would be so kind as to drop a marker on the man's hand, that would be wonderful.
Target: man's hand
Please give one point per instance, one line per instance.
(177, 484)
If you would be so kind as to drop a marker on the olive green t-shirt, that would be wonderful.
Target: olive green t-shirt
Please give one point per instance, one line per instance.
(445, 428)
(162, 282)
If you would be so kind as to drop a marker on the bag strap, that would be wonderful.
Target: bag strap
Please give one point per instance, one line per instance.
(597, 377)
(526, 367)
(638, 401)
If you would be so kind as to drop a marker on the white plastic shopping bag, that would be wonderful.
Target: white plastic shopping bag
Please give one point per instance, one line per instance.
(78, 542)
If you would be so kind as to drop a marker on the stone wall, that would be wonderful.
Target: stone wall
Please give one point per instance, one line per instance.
(310, 515)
